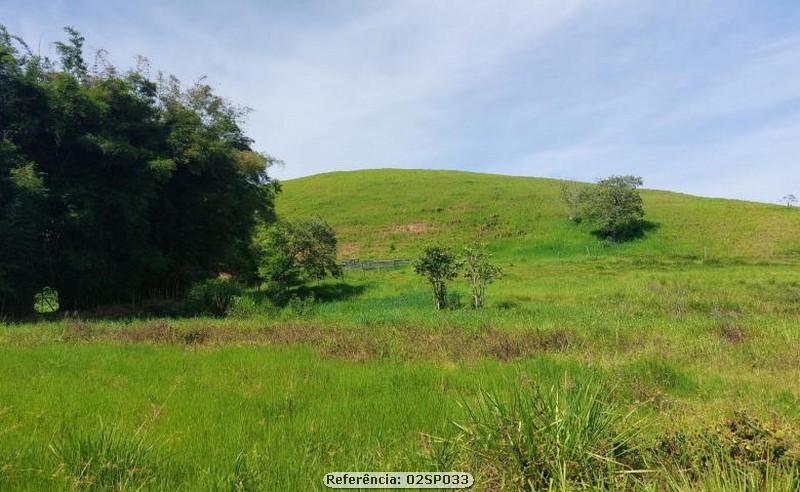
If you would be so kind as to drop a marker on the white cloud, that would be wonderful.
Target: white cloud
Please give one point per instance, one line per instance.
(687, 94)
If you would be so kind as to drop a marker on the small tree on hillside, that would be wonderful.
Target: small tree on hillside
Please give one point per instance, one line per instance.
(291, 253)
(790, 200)
(572, 196)
(613, 205)
(480, 272)
(439, 265)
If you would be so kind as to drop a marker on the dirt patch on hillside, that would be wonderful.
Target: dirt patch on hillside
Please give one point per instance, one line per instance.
(414, 228)
(348, 250)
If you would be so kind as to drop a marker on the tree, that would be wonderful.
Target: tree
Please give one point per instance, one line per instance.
(292, 253)
(116, 187)
(613, 205)
(23, 218)
(571, 194)
(790, 200)
(71, 53)
(480, 272)
(438, 265)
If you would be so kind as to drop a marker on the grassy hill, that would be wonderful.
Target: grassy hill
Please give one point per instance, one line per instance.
(359, 376)
(390, 212)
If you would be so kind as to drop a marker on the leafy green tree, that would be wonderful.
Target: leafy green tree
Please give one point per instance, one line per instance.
(613, 205)
(292, 253)
(71, 53)
(480, 272)
(438, 265)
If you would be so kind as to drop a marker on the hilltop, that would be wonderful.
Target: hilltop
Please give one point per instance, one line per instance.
(390, 212)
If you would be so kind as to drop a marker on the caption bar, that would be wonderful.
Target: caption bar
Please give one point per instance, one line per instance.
(398, 480)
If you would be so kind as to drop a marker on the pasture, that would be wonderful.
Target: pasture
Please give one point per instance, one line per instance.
(688, 327)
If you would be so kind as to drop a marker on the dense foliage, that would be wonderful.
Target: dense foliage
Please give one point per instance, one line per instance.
(292, 253)
(213, 296)
(117, 186)
(613, 205)
(438, 265)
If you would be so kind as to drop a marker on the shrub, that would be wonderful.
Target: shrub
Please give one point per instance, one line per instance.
(556, 438)
(301, 307)
(246, 307)
(213, 296)
(438, 265)
(480, 272)
(241, 307)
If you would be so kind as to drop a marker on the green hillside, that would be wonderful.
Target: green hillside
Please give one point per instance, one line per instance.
(389, 212)
(361, 371)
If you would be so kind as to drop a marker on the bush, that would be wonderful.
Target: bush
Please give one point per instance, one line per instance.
(547, 438)
(293, 253)
(246, 307)
(301, 307)
(438, 265)
(213, 296)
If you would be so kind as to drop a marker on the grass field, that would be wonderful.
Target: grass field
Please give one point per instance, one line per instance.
(688, 327)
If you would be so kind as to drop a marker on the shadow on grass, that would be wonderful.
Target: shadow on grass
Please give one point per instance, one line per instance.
(323, 293)
(177, 308)
(633, 231)
(332, 292)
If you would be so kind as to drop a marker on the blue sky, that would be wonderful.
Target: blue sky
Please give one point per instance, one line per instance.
(695, 96)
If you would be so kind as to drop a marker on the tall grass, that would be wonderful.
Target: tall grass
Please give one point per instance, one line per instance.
(576, 436)
(723, 474)
(105, 458)
(555, 438)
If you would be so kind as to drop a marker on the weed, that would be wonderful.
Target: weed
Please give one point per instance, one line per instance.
(550, 438)
(161, 332)
(301, 307)
(77, 331)
(246, 306)
(742, 453)
(105, 459)
(245, 475)
(194, 336)
(731, 332)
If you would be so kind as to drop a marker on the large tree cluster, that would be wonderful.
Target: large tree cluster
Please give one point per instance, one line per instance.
(115, 186)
